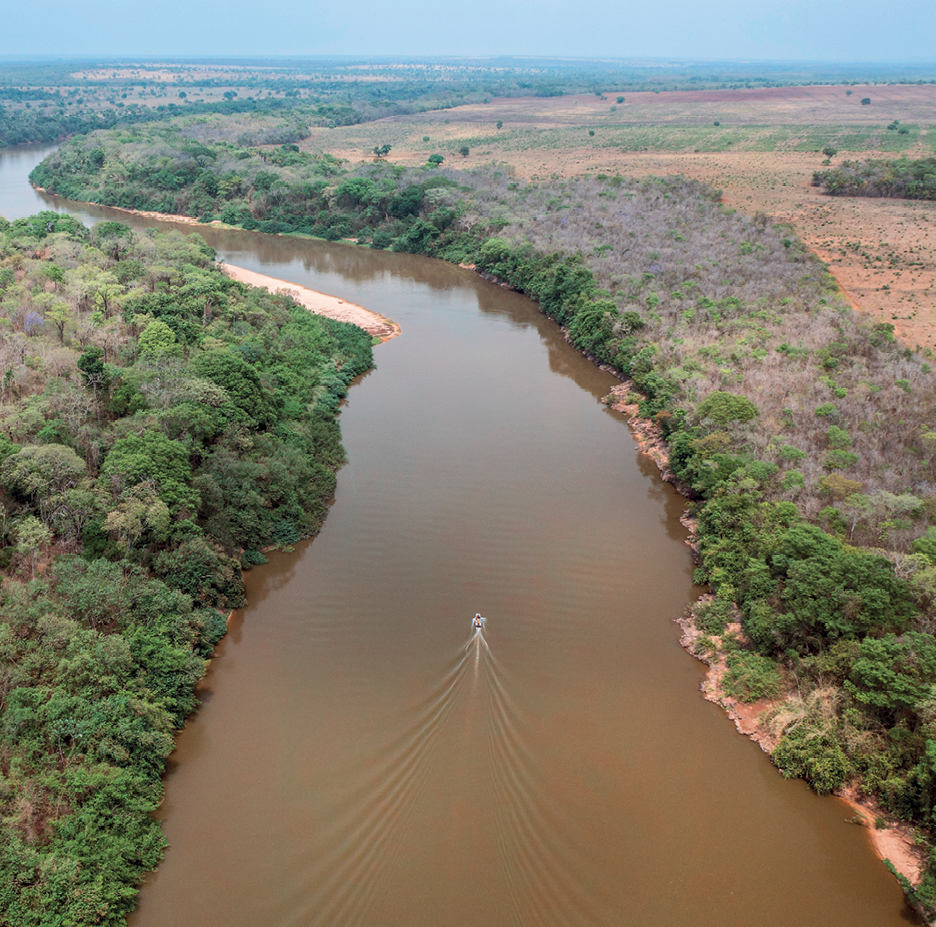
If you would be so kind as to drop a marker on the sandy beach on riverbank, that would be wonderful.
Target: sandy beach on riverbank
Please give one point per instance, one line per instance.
(319, 303)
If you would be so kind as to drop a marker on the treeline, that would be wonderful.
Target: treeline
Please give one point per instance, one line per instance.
(160, 424)
(198, 174)
(454, 77)
(27, 125)
(904, 178)
(23, 126)
(802, 431)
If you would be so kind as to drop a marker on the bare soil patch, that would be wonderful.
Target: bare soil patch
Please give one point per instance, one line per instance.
(883, 252)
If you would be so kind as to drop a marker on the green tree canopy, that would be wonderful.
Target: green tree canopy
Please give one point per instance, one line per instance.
(152, 456)
(37, 471)
(723, 408)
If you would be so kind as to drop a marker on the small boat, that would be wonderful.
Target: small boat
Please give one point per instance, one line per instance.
(478, 621)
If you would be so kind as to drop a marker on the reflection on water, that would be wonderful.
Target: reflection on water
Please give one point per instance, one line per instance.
(360, 762)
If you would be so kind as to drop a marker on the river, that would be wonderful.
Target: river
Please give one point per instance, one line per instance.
(363, 757)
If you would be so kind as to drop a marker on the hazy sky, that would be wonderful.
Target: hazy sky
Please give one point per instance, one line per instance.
(829, 30)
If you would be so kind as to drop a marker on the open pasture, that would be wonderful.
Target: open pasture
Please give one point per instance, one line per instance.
(762, 157)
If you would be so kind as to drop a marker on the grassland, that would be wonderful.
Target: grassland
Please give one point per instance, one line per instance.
(762, 156)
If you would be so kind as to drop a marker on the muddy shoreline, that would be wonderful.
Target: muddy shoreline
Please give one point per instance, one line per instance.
(892, 842)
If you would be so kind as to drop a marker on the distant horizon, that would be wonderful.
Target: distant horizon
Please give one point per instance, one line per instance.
(608, 60)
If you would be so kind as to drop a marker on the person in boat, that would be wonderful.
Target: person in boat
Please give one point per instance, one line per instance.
(478, 620)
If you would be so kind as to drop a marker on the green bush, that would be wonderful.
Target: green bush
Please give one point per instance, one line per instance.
(204, 572)
(751, 677)
(813, 755)
(712, 616)
(725, 408)
(252, 558)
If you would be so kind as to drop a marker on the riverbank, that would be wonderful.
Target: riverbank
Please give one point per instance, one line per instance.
(145, 606)
(146, 214)
(892, 842)
(331, 307)
(561, 289)
(319, 303)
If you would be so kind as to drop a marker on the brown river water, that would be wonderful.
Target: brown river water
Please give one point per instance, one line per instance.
(363, 757)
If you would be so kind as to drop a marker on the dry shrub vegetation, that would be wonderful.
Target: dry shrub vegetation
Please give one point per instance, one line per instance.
(737, 304)
(762, 156)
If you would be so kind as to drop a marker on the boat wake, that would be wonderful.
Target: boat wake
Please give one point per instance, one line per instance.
(365, 851)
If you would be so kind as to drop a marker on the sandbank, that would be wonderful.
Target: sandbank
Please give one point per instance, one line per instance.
(319, 303)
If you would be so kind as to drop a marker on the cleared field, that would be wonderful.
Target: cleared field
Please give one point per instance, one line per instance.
(762, 156)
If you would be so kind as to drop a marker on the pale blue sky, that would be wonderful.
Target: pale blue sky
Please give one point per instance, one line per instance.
(826, 30)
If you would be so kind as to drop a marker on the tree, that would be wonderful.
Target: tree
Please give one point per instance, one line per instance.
(500, 123)
(93, 372)
(113, 237)
(357, 192)
(159, 340)
(829, 151)
(105, 300)
(40, 470)
(406, 203)
(242, 383)
(866, 101)
(70, 511)
(894, 673)
(464, 151)
(31, 536)
(203, 571)
(722, 408)
(59, 314)
(152, 458)
(838, 487)
(435, 159)
(381, 151)
(55, 311)
(140, 509)
(56, 275)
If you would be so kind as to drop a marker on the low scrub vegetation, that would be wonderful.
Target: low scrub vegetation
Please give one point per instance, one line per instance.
(160, 424)
(906, 178)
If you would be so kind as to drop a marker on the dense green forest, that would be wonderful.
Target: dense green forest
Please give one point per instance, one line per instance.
(160, 424)
(907, 178)
(802, 431)
(26, 124)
